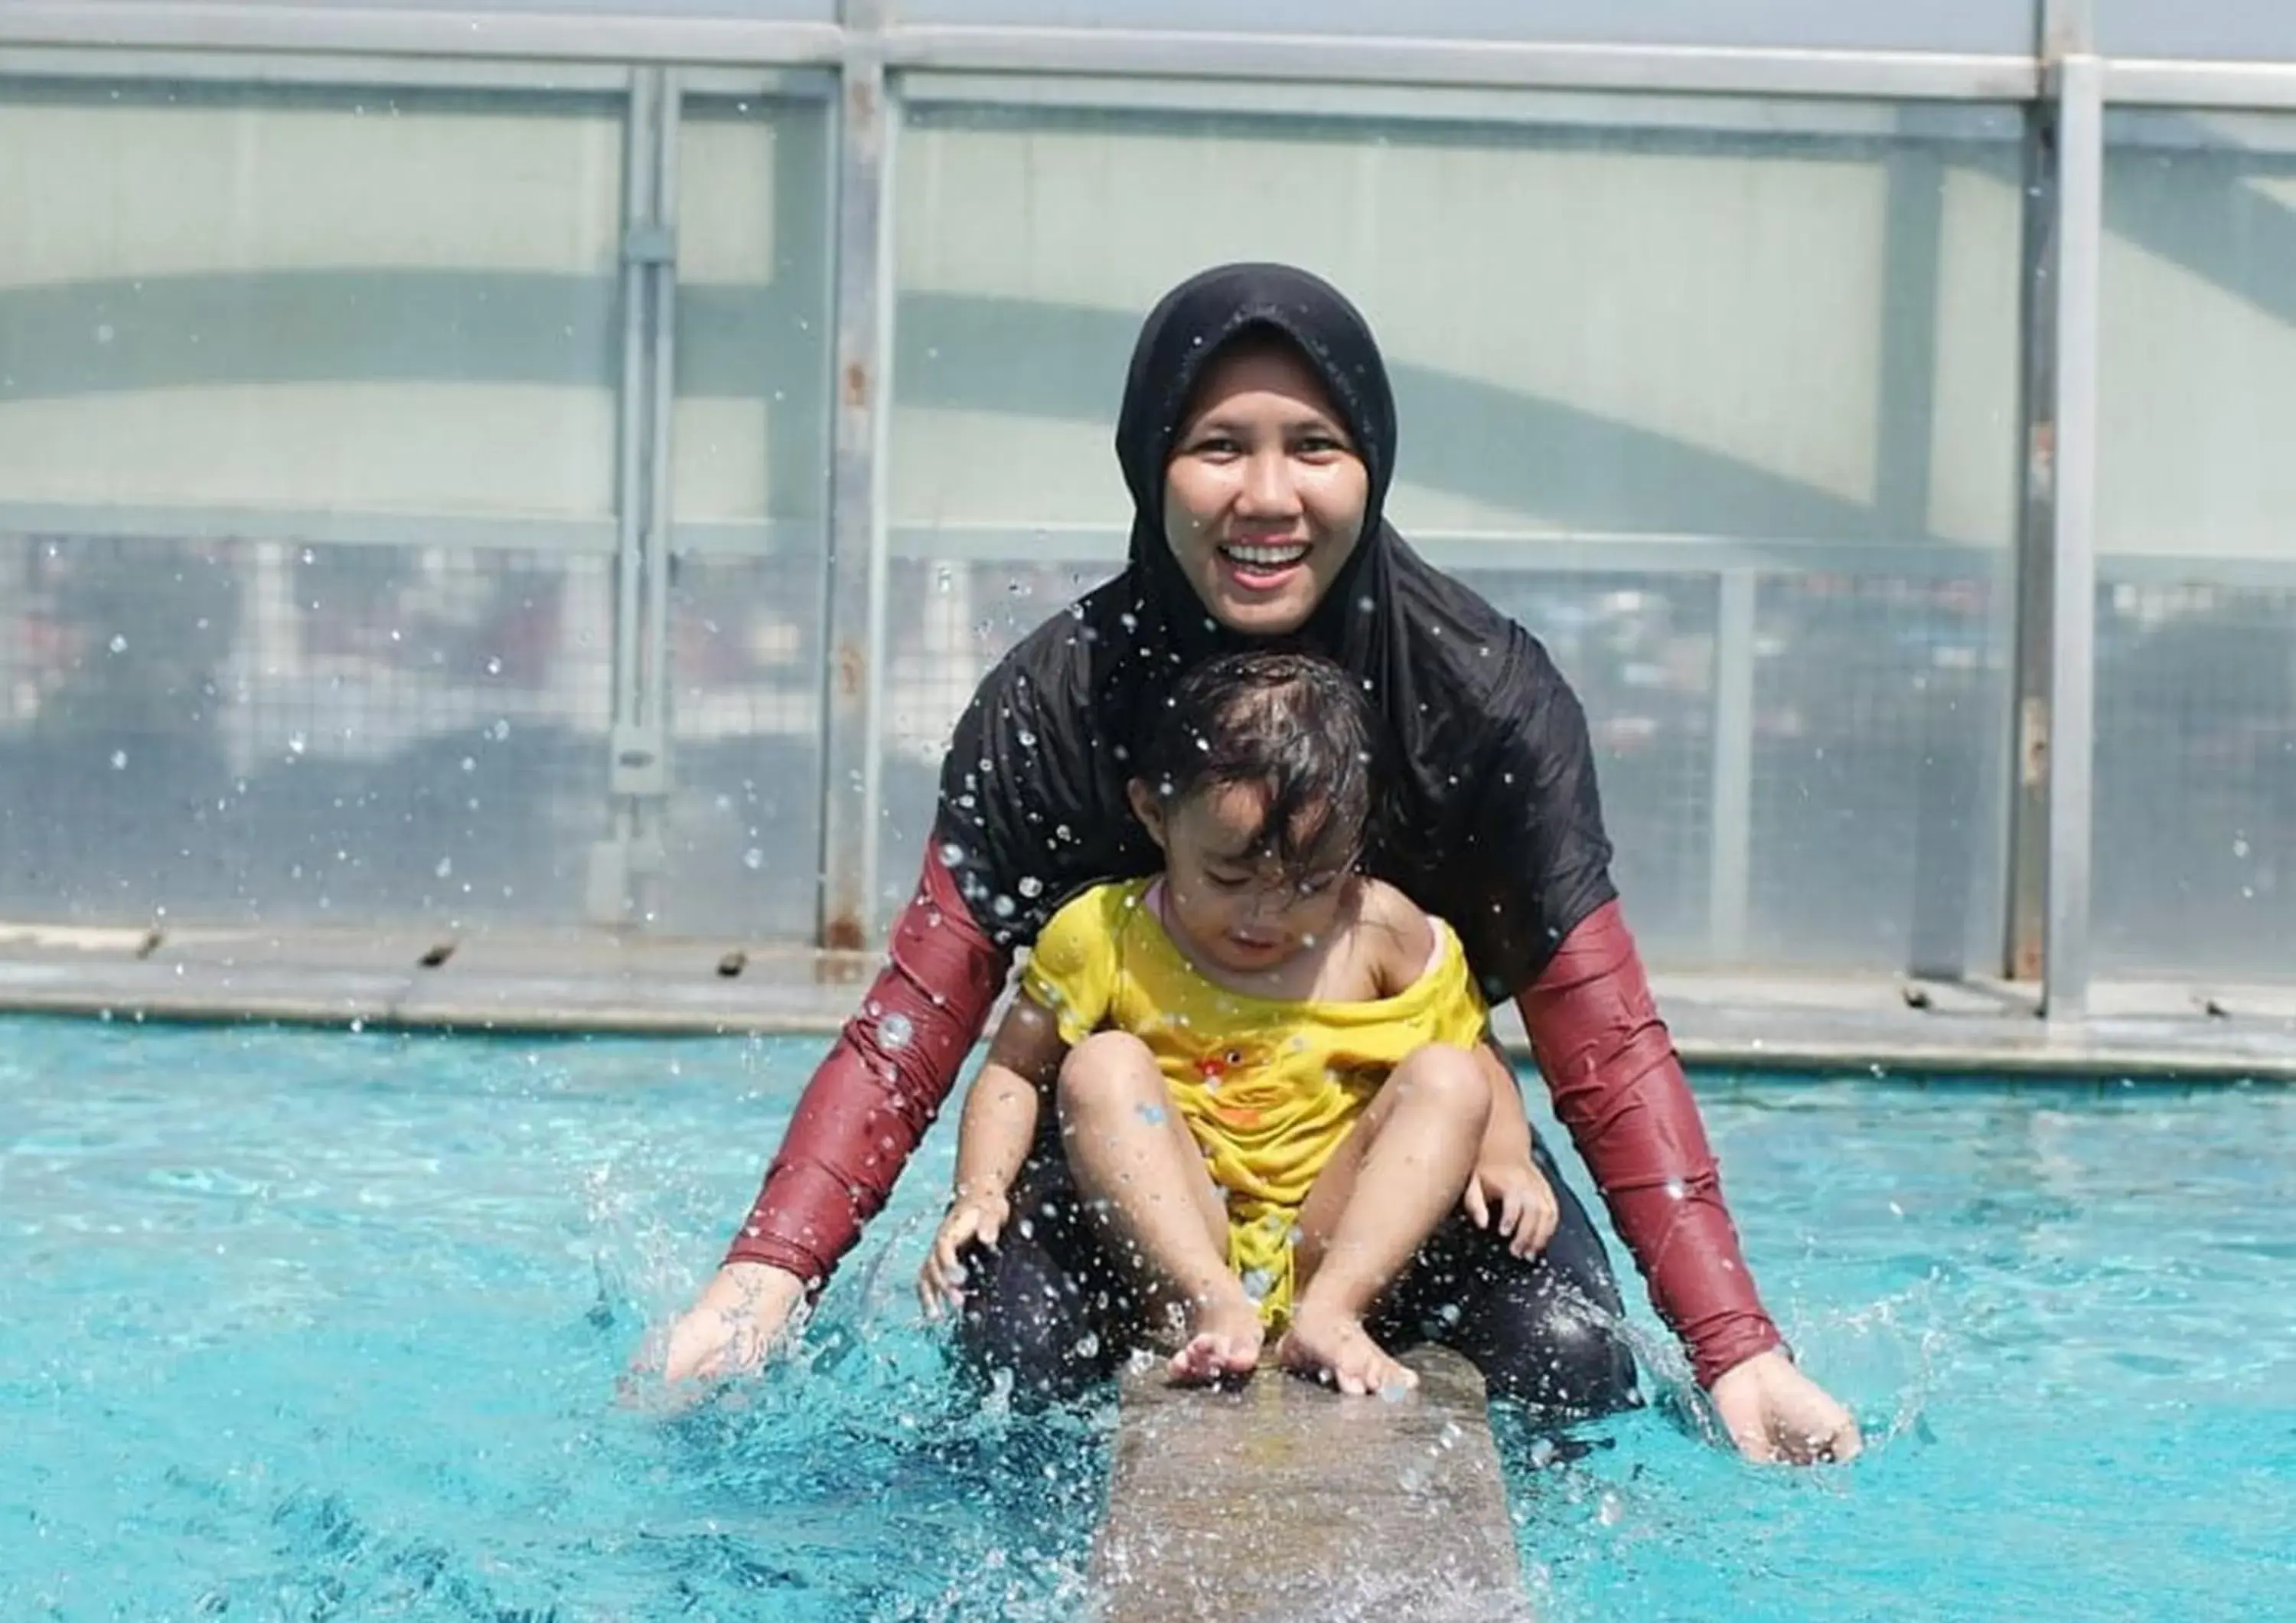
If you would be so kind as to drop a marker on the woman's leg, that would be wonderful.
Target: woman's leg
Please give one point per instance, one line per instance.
(1544, 1329)
(1143, 1180)
(1047, 1306)
(1373, 1203)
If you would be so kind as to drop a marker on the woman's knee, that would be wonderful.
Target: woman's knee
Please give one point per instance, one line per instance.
(1029, 1323)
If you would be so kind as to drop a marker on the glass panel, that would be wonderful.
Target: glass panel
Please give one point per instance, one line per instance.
(316, 316)
(798, 11)
(1940, 25)
(749, 492)
(1879, 832)
(2195, 831)
(2234, 29)
(1775, 339)
(328, 300)
(247, 731)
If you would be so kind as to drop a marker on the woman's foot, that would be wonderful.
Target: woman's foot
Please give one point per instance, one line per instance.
(1333, 1347)
(1223, 1340)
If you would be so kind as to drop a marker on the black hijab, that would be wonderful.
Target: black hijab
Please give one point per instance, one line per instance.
(1498, 825)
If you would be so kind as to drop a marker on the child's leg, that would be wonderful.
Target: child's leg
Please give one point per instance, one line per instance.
(1383, 1192)
(1143, 1176)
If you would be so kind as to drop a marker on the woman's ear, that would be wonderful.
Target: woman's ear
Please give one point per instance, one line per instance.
(1148, 808)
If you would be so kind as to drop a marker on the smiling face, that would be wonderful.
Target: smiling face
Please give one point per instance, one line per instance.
(1264, 493)
(1231, 904)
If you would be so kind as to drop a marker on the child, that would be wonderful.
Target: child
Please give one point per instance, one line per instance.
(1271, 1073)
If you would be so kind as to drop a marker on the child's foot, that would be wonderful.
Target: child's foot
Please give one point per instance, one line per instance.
(1223, 1340)
(1333, 1347)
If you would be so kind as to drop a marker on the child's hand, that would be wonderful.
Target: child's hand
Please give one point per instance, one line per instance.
(1522, 1199)
(970, 1218)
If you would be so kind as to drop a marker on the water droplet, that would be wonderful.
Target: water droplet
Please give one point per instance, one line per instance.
(753, 858)
(1676, 1190)
(1004, 907)
(1028, 739)
(296, 743)
(118, 643)
(1031, 887)
(951, 854)
(2240, 848)
(494, 665)
(894, 1032)
(446, 867)
(120, 760)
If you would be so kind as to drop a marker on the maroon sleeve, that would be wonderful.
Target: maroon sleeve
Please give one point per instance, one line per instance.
(872, 1098)
(1619, 1088)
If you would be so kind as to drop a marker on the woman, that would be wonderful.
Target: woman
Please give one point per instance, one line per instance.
(1258, 438)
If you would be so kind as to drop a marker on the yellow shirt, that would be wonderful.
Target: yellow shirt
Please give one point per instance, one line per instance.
(1269, 1087)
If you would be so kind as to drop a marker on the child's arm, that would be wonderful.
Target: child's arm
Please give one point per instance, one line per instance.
(993, 1139)
(1505, 1172)
(1506, 1177)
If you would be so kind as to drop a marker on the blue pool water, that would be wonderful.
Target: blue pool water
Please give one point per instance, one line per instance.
(325, 1326)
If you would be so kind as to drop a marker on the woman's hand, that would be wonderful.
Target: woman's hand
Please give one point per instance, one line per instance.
(970, 1218)
(1518, 1193)
(1773, 1412)
(734, 1324)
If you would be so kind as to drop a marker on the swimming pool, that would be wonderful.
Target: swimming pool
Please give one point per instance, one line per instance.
(306, 1325)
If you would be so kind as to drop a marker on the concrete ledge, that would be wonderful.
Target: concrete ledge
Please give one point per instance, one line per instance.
(1284, 1501)
(578, 981)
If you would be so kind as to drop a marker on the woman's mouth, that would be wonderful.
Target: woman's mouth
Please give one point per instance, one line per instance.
(1262, 563)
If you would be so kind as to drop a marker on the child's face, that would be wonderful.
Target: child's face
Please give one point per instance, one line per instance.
(1240, 910)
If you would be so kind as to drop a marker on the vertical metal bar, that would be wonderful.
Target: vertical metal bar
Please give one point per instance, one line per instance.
(653, 715)
(2025, 929)
(606, 900)
(1731, 855)
(2072, 669)
(856, 585)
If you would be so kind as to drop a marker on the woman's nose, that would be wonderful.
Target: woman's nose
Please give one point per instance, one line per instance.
(1267, 486)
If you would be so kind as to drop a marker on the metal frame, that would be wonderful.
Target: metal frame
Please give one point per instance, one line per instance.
(2072, 535)
(626, 867)
(852, 701)
(879, 64)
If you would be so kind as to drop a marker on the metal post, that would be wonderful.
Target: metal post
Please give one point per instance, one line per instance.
(607, 892)
(2072, 668)
(851, 703)
(2049, 923)
(1730, 862)
(650, 784)
(625, 869)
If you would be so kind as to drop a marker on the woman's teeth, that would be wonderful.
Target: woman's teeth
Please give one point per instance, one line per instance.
(1265, 557)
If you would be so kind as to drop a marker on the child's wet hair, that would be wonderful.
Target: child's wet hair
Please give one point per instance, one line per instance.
(1292, 724)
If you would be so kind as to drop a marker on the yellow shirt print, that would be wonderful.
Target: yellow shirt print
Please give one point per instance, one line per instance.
(1268, 1087)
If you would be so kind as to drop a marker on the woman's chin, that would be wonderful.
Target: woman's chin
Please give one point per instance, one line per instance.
(1264, 616)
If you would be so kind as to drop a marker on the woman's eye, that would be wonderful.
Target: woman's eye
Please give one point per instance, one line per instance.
(1227, 881)
(1217, 445)
(1320, 445)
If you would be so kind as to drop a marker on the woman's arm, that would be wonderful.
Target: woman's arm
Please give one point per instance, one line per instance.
(1619, 1088)
(872, 1099)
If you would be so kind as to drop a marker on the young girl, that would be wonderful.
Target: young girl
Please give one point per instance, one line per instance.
(1271, 1074)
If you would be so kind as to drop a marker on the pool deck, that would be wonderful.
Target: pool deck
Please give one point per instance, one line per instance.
(595, 982)
(1284, 1501)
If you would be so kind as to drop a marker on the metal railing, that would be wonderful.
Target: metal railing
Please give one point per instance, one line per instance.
(866, 67)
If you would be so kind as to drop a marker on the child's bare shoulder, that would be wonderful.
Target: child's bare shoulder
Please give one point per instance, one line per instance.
(1398, 935)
